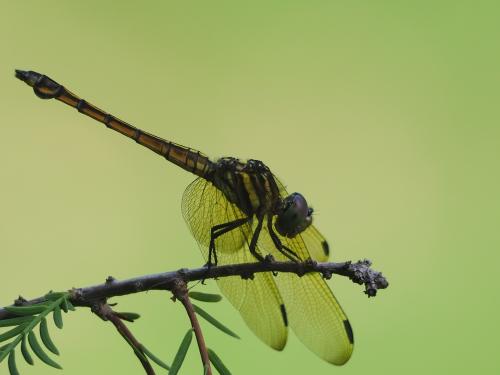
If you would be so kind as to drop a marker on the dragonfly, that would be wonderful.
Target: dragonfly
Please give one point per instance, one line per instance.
(239, 211)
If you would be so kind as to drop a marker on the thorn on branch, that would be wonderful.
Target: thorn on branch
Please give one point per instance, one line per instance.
(269, 258)
(247, 275)
(327, 275)
(20, 301)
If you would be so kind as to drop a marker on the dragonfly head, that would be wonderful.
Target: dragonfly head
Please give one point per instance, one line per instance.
(294, 215)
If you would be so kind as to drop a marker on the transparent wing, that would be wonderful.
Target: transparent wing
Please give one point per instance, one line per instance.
(316, 244)
(204, 206)
(258, 300)
(313, 311)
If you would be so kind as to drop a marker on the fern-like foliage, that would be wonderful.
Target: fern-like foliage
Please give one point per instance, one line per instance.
(22, 334)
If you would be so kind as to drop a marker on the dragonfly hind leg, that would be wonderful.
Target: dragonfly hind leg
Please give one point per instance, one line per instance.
(289, 253)
(219, 230)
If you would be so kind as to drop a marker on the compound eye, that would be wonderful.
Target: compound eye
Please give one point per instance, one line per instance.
(294, 217)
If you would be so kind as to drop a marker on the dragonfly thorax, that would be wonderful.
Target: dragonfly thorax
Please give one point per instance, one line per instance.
(250, 185)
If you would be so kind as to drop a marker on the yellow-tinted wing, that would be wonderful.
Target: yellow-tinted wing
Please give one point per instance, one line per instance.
(257, 300)
(204, 206)
(316, 244)
(313, 311)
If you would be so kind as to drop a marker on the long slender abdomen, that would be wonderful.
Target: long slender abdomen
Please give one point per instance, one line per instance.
(191, 160)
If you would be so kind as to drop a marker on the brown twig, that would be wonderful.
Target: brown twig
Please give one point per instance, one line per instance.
(96, 296)
(359, 272)
(105, 312)
(180, 292)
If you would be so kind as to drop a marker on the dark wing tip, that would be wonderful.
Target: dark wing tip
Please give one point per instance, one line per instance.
(284, 315)
(348, 330)
(326, 247)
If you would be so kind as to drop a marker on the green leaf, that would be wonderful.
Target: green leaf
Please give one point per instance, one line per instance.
(154, 358)
(58, 320)
(44, 334)
(37, 349)
(216, 361)
(64, 305)
(12, 363)
(28, 318)
(26, 354)
(209, 318)
(205, 297)
(181, 353)
(4, 351)
(15, 321)
(26, 310)
(67, 305)
(128, 316)
(13, 332)
(70, 305)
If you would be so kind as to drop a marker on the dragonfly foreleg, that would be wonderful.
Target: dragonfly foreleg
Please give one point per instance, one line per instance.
(290, 254)
(255, 237)
(219, 230)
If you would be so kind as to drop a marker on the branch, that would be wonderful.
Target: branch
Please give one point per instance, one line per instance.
(359, 272)
(106, 313)
(180, 292)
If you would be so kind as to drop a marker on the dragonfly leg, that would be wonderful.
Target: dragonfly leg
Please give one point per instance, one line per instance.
(219, 230)
(290, 254)
(255, 237)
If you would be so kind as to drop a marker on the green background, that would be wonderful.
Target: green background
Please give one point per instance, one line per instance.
(385, 115)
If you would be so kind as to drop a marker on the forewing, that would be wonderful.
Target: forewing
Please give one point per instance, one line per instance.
(316, 244)
(313, 311)
(204, 206)
(258, 299)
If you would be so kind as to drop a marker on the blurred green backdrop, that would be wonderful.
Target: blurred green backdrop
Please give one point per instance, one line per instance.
(385, 115)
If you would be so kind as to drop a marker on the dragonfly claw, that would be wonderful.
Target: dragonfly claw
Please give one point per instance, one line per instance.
(208, 266)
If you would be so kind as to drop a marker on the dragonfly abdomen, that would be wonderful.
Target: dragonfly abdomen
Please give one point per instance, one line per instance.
(191, 160)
